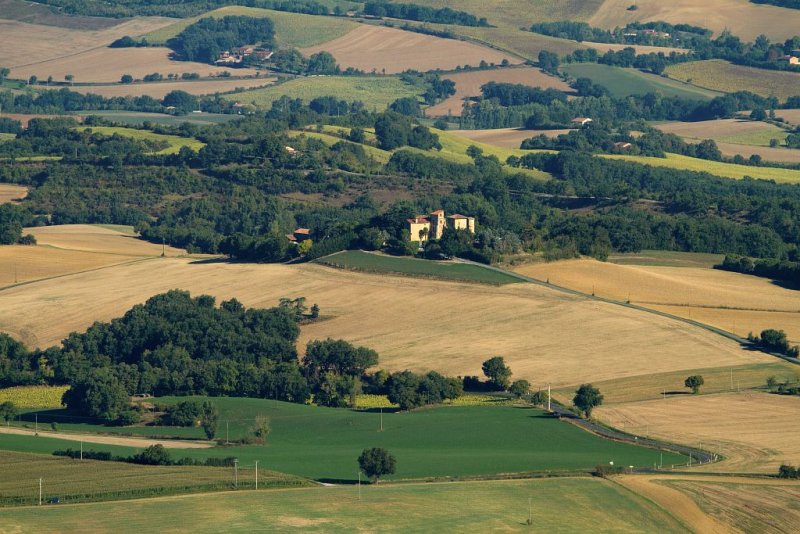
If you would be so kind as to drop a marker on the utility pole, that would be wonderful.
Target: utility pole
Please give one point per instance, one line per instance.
(731, 378)
(36, 427)
(256, 474)
(381, 419)
(227, 442)
(236, 473)
(359, 484)
(530, 512)
(40, 491)
(81, 450)
(548, 398)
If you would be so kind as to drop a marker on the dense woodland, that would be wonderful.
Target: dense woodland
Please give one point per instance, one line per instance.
(208, 37)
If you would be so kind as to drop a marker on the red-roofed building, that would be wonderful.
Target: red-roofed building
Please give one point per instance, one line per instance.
(422, 228)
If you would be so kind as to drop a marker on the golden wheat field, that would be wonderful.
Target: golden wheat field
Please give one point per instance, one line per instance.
(735, 302)
(792, 116)
(109, 64)
(724, 129)
(468, 84)
(159, 90)
(719, 75)
(375, 48)
(505, 137)
(12, 193)
(754, 431)
(741, 17)
(105, 239)
(533, 327)
(28, 44)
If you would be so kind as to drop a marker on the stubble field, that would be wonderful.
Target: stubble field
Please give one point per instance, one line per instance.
(375, 48)
(741, 17)
(390, 314)
(756, 432)
(12, 193)
(731, 301)
(468, 84)
(719, 75)
(159, 90)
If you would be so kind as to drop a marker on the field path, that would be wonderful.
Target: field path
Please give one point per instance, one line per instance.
(112, 440)
(674, 502)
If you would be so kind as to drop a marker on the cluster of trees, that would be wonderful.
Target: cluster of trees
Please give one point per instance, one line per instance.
(152, 455)
(192, 413)
(783, 269)
(785, 470)
(445, 15)
(792, 4)
(394, 130)
(178, 345)
(772, 340)
(660, 34)
(514, 94)
(208, 37)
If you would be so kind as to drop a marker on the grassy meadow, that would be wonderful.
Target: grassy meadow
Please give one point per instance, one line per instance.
(136, 118)
(376, 263)
(175, 142)
(719, 75)
(376, 92)
(323, 443)
(291, 29)
(555, 505)
(623, 82)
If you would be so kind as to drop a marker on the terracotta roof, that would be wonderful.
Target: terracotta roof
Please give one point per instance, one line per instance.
(437, 212)
(302, 231)
(291, 238)
(458, 216)
(418, 220)
(581, 119)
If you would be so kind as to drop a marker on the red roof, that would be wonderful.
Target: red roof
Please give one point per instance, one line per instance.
(418, 220)
(458, 216)
(291, 238)
(302, 231)
(437, 212)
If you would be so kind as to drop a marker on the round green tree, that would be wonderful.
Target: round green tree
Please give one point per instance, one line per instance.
(376, 462)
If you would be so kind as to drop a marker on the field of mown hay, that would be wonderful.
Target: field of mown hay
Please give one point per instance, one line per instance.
(754, 431)
(109, 64)
(792, 116)
(12, 193)
(535, 328)
(719, 75)
(101, 239)
(505, 137)
(159, 90)
(291, 29)
(28, 44)
(750, 505)
(468, 84)
(378, 48)
(740, 17)
(486, 506)
(738, 131)
(734, 302)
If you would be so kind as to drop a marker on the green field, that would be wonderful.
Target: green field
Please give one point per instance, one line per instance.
(379, 155)
(175, 142)
(136, 118)
(725, 170)
(75, 480)
(451, 441)
(376, 92)
(623, 82)
(377, 263)
(759, 138)
(292, 30)
(667, 258)
(556, 505)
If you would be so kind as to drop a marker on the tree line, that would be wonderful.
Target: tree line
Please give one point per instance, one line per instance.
(208, 37)
(421, 13)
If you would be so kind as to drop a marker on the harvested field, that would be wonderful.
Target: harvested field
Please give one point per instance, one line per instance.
(765, 506)
(105, 239)
(12, 193)
(468, 84)
(671, 385)
(34, 13)
(777, 155)
(44, 43)
(109, 64)
(110, 440)
(735, 302)
(381, 311)
(719, 75)
(378, 48)
(754, 431)
(791, 116)
(743, 18)
(159, 90)
(505, 137)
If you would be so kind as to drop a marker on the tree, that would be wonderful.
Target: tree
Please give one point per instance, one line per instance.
(497, 372)
(376, 462)
(98, 394)
(209, 419)
(694, 382)
(314, 311)
(758, 114)
(182, 101)
(153, 455)
(322, 63)
(262, 428)
(520, 388)
(408, 106)
(69, 78)
(32, 80)
(4, 72)
(587, 397)
(8, 411)
(772, 383)
(126, 78)
(549, 62)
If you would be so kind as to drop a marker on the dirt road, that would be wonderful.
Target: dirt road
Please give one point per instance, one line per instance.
(112, 440)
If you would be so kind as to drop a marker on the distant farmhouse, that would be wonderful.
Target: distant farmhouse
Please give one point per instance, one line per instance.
(581, 121)
(421, 228)
(237, 54)
(299, 235)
